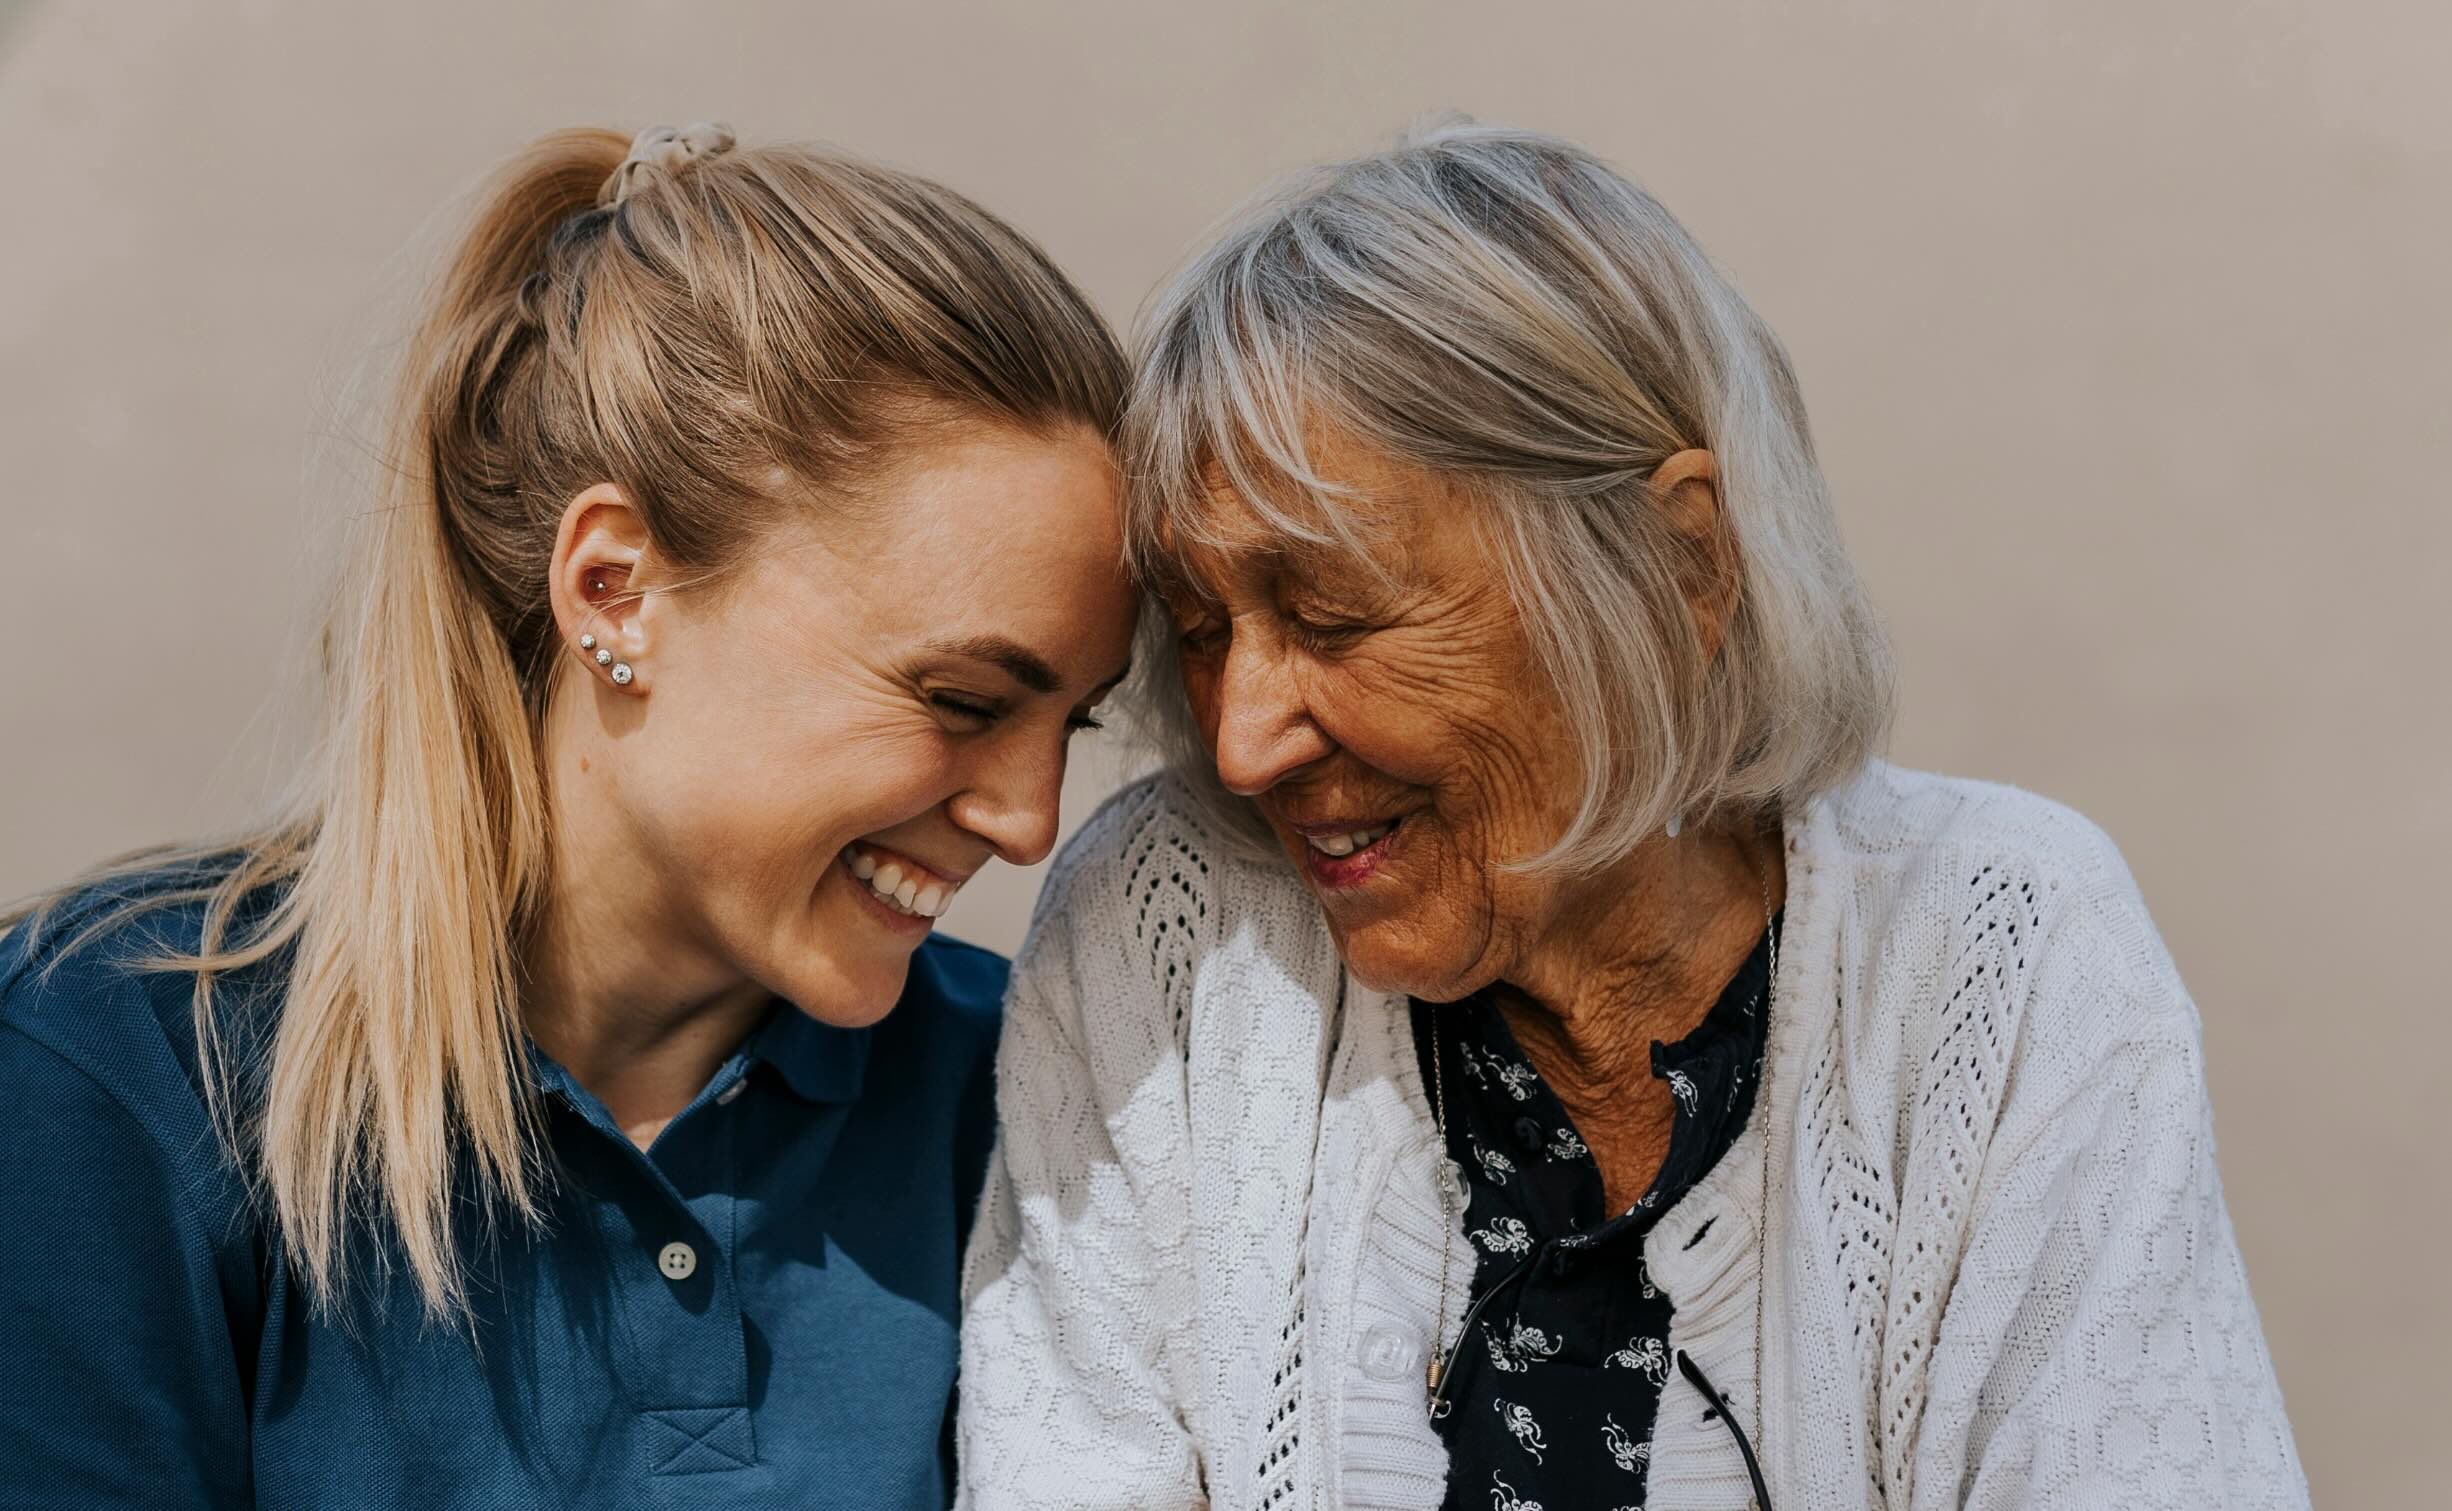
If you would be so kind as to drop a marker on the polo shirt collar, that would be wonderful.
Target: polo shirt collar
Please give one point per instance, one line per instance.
(818, 1061)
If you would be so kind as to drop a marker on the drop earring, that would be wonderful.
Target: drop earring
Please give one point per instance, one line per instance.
(1677, 822)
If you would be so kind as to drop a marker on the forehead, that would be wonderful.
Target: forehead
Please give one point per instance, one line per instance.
(1369, 515)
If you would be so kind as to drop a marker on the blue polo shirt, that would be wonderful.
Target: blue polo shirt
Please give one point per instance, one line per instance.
(757, 1311)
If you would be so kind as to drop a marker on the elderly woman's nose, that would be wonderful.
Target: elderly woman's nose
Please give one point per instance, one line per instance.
(1014, 804)
(1264, 729)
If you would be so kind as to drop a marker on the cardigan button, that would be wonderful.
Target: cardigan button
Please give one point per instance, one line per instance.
(1389, 1353)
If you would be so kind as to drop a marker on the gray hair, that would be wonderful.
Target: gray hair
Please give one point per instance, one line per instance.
(1501, 308)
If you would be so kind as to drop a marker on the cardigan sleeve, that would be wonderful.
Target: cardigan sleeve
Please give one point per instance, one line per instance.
(1077, 1281)
(122, 1387)
(2102, 1347)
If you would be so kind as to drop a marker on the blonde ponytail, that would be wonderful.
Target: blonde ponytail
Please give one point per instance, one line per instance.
(397, 1055)
(684, 324)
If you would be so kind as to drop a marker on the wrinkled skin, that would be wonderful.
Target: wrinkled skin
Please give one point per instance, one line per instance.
(1337, 701)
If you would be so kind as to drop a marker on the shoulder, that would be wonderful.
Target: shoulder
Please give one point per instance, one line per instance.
(1890, 812)
(1911, 842)
(97, 1041)
(82, 975)
(1979, 913)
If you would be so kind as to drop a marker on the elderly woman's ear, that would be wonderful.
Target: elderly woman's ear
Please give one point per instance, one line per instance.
(1686, 488)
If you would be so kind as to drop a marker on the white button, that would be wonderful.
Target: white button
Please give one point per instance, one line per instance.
(732, 1093)
(678, 1261)
(1389, 1353)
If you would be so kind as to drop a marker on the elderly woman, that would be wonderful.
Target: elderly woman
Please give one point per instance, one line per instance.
(1528, 1051)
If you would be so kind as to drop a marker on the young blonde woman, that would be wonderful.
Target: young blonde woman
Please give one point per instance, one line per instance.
(570, 1105)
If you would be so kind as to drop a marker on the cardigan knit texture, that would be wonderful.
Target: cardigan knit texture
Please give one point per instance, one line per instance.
(1970, 1251)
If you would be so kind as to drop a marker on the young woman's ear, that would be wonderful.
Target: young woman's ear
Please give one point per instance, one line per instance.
(595, 583)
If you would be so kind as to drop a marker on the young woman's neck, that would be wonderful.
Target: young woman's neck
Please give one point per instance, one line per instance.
(618, 991)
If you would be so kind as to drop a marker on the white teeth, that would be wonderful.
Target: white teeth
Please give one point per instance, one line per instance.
(1347, 844)
(910, 892)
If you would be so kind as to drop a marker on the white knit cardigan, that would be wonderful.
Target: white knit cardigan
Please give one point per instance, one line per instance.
(2001, 1274)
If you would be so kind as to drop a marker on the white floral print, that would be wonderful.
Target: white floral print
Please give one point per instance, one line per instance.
(1624, 1451)
(1518, 1078)
(1525, 1419)
(1527, 1431)
(1495, 1166)
(1505, 1235)
(1520, 1348)
(1646, 1354)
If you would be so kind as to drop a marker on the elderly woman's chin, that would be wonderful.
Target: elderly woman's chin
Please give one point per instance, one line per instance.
(1410, 920)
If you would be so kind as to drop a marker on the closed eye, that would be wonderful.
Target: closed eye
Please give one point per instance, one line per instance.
(1327, 634)
(969, 709)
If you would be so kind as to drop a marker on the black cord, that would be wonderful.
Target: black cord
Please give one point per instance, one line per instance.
(1719, 1406)
(1447, 1364)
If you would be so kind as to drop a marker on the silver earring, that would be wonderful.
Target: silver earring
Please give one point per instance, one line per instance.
(587, 642)
(621, 674)
(1677, 821)
(604, 658)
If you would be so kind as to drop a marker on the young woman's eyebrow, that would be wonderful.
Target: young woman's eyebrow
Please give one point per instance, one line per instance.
(1015, 660)
(1010, 656)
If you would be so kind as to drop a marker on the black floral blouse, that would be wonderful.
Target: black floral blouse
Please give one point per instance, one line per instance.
(1555, 1384)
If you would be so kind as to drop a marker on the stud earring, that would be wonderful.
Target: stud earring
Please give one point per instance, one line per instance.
(604, 658)
(587, 642)
(621, 673)
(595, 584)
(1677, 822)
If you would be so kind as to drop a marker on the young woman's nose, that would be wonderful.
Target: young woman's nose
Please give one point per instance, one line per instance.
(1016, 798)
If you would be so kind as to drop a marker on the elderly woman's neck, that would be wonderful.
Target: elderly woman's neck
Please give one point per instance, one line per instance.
(1641, 954)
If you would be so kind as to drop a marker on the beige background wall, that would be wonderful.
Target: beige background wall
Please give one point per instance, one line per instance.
(2127, 328)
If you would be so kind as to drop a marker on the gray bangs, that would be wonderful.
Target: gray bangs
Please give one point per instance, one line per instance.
(1224, 398)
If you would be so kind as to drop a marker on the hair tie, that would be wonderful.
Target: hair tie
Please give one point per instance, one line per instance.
(663, 149)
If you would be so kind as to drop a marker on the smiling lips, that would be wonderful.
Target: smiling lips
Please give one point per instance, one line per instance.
(900, 884)
(1346, 844)
(1340, 857)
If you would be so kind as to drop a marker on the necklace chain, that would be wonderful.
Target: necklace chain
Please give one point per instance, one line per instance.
(1451, 1175)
